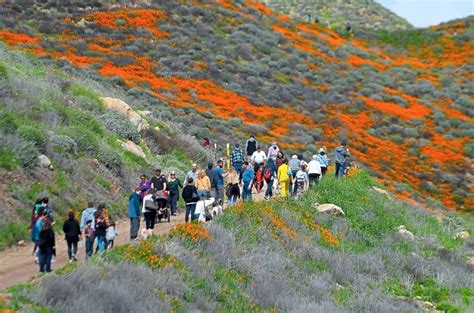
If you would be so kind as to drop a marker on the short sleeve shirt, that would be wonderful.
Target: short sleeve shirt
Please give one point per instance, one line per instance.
(158, 182)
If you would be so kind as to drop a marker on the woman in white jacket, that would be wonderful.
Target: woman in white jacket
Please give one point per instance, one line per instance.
(314, 171)
(149, 210)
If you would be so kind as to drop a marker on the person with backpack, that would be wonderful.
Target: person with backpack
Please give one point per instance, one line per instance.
(284, 176)
(248, 176)
(233, 189)
(294, 165)
(46, 246)
(340, 159)
(251, 146)
(173, 187)
(190, 197)
(203, 185)
(314, 171)
(273, 151)
(259, 180)
(72, 232)
(220, 182)
(237, 158)
(134, 213)
(301, 180)
(323, 160)
(149, 210)
(269, 173)
(211, 173)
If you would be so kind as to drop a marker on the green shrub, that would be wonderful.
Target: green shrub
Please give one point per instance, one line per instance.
(120, 125)
(8, 122)
(3, 70)
(110, 159)
(64, 142)
(34, 135)
(7, 159)
(27, 154)
(12, 232)
(87, 99)
(86, 140)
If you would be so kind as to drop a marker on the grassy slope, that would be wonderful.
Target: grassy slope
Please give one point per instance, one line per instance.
(46, 111)
(281, 255)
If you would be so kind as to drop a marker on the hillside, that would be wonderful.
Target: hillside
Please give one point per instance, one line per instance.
(363, 15)
(224, 70)
(278, 256)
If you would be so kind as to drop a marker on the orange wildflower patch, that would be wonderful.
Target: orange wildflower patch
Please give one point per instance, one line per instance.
(325, 234)
(262, 8)
(14, 39)
(145, 253)
(332, 39)
(191, 231)
(146, 18)
(357, 61)
(279, 223)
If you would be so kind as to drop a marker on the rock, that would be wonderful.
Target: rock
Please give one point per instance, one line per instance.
(329, 208)
(133, 148)
(45, 162)
(380, 191)
(123, 108)
(21, 243)
(405, 233)
(462, 235)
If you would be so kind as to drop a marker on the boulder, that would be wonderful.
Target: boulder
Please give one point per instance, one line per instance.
(329, 208)
(471, 261)
(405, 233)
(463, 235)
(44, 162)
(133, 148)
(123, 108)
(380, 191)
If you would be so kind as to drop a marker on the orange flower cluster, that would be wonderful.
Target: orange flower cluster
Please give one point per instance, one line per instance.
(145, 253)
(325, 234)
(414, 111)
(357, 61)
(326, 35)
(191, 231)
(146, 18)
(14, 39)
(259, 7)
(279, 223)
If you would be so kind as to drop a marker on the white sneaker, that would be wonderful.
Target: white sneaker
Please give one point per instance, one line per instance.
(36, 260)
(53, 260)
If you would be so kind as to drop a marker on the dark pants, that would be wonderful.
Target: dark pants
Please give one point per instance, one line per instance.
(134, 227)
(190, 209)
(340, 168)
(323, 170)
(313, 179)
(269, 191)
(295, 185)
(89, 246)
(174, 203)
(45, 257)
(110, 244)
(71, 247)
(150, 218)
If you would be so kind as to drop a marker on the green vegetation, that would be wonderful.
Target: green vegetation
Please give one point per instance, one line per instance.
(407, 38)
(12, 232)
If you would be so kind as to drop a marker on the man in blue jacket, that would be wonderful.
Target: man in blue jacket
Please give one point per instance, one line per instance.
(247, 178)
(340, 157)
(134, 213)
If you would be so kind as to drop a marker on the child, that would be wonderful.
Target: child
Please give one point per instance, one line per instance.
(301, 181)
(110, 235)
(259, 179)
(89, 234)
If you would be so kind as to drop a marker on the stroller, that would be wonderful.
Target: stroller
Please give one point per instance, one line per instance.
(163, 211)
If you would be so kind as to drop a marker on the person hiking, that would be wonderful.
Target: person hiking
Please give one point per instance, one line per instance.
(284, 176)
(46, 246)
(35, 231)
(72, 233)
(110, 235)
(258, 158)
(144, 185)
(101, 228)
(149, 210)
(134, 213)
(279, 159)
(269, 173)
(89, 235)
(190, 197)
(203, 185)
(314, 171)
(273, 151)
(294, 165)
(323, 160)
(173, 186)
(301, 181)
(233, 189)
(34, 218)
(158, 182)
(237, 158)
(220, 181)
(211, 173)
(193, 173)
(88, 214)
(248, 176)
(251, 146)
(259, 180)
(340, 157)
(47, 209)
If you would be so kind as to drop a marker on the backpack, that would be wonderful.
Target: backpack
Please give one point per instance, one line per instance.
(267, 174)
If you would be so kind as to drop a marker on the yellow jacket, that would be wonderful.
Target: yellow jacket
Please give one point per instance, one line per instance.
(203, 183)
(283, 173)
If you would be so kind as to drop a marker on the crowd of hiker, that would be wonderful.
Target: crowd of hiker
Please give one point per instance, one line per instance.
(247, 171)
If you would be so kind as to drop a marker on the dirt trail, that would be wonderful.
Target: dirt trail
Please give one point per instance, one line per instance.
(17, 264)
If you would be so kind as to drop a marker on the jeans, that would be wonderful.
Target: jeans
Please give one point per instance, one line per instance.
(45, 257)
(71, 247)
(174, 203)
(232, 200)
(237, 166)
(101, 243)
(190, 209)
(89, 246)
(110, 244)
(340, 168)
(247, 193)
(150, 219)
(202, 194)
(269, 191)
(134, 227)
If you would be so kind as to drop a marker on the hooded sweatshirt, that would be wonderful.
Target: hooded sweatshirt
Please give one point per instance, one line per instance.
(134, 205)
(340, 155)
(71, 229)
(88, 214)
(251, 146)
